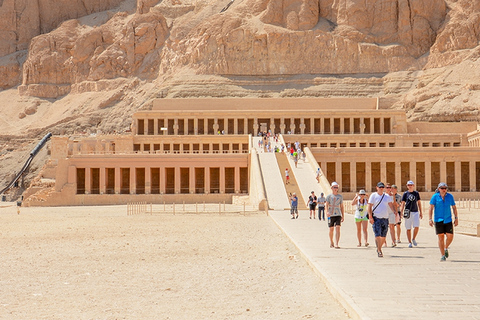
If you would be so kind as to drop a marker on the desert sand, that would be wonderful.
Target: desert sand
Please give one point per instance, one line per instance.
(99, 263)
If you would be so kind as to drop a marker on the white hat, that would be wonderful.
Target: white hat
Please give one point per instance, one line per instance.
(334, 184)
(410, 182)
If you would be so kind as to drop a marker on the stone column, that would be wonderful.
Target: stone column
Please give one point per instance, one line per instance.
(282, 125)
(312, 126)
(237, 179)
(177, 180)
(222, 180)
(245, 127)
(88, 180)
(195, 126)
(272, 126)
(413, 172)
(353, 176)
(205, 126)
(332, 125)
(342, 125)
(368, 176)
(103, 186)
(473, 184)
(398, 175)
(156, 129)
(117, 180)
(225, 125)
(322, 125)
(191, 178)
(235, 126)
(428, 175)
(133, 181)
(338, 174)
(458, 176)
(207, 180)
(362, 125)
(352, 127)
(302, 125)
(145, 127)
(383, 172)
(163, 181)
(382, 125)
(443, 171)
(255, 127)
(292, 125)
(175, 126)
(148, 183)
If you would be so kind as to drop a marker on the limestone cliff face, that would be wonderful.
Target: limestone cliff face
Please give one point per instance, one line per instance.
(21, 20)
(251, 38)
(124, 46)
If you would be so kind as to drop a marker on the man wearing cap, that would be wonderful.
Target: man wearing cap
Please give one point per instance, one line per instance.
(378, 205)
(441, 203)
(335, 213)
(412, 212)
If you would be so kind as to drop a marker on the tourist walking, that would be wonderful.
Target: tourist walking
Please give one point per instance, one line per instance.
(317, 175)
(441, 204)
(335, 213)
(392, 215)
(321, 207)
(294, 206)
(287, 176)
(361, 219)
(412, 212)
(312, 204)
(398, 200)
(378, 205)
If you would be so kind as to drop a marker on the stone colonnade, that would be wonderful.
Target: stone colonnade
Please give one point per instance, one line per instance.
(304, 124)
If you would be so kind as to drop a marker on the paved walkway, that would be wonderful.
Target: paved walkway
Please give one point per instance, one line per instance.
(408, 283)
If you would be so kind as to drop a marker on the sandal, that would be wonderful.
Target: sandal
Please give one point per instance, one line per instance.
(359, 245)
(380, 255)
(366, 244)
(332, 246)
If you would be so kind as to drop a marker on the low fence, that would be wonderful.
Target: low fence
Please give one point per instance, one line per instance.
(135, 208)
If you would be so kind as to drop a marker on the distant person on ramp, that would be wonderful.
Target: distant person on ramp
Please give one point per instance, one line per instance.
(294, 206)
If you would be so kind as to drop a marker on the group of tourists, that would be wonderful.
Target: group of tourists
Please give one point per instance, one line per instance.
(384, 210)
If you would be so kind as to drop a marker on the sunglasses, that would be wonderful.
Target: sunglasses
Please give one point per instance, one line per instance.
(409, 185)
(380, 187)
(389, 187)
(443, 188)
(335, 187)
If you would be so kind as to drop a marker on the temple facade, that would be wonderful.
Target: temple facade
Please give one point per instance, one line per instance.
(201, 150)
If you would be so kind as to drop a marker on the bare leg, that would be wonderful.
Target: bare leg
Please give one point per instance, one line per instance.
(365, 233)
(415, 232)
(409, 236)
(449, 240)
(337, 235)
(392, 232)
(399, 230)
(379, 241)
(359, 233)
(441, 243)
(330, 234)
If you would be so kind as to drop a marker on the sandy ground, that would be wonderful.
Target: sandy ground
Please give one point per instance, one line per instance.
(99, 263)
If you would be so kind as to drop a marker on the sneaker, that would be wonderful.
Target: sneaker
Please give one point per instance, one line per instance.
(443, 259)
(410, 245)
(399, 241)
(446, 253)
(414, 242)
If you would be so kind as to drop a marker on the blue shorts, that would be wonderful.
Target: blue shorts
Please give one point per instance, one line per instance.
(380, 227)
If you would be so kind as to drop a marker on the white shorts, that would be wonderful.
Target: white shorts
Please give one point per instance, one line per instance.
(413, 221)
(392, 219)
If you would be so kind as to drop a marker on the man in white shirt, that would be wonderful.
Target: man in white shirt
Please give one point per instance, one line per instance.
(378, 205)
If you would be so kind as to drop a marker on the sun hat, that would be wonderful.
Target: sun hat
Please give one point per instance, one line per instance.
(410, 182)
(362, 192)
(334, 184)
(380, 184)
(442, 185)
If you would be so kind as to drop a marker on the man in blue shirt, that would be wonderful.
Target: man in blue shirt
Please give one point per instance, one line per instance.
(294, 205)
(441, 202)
